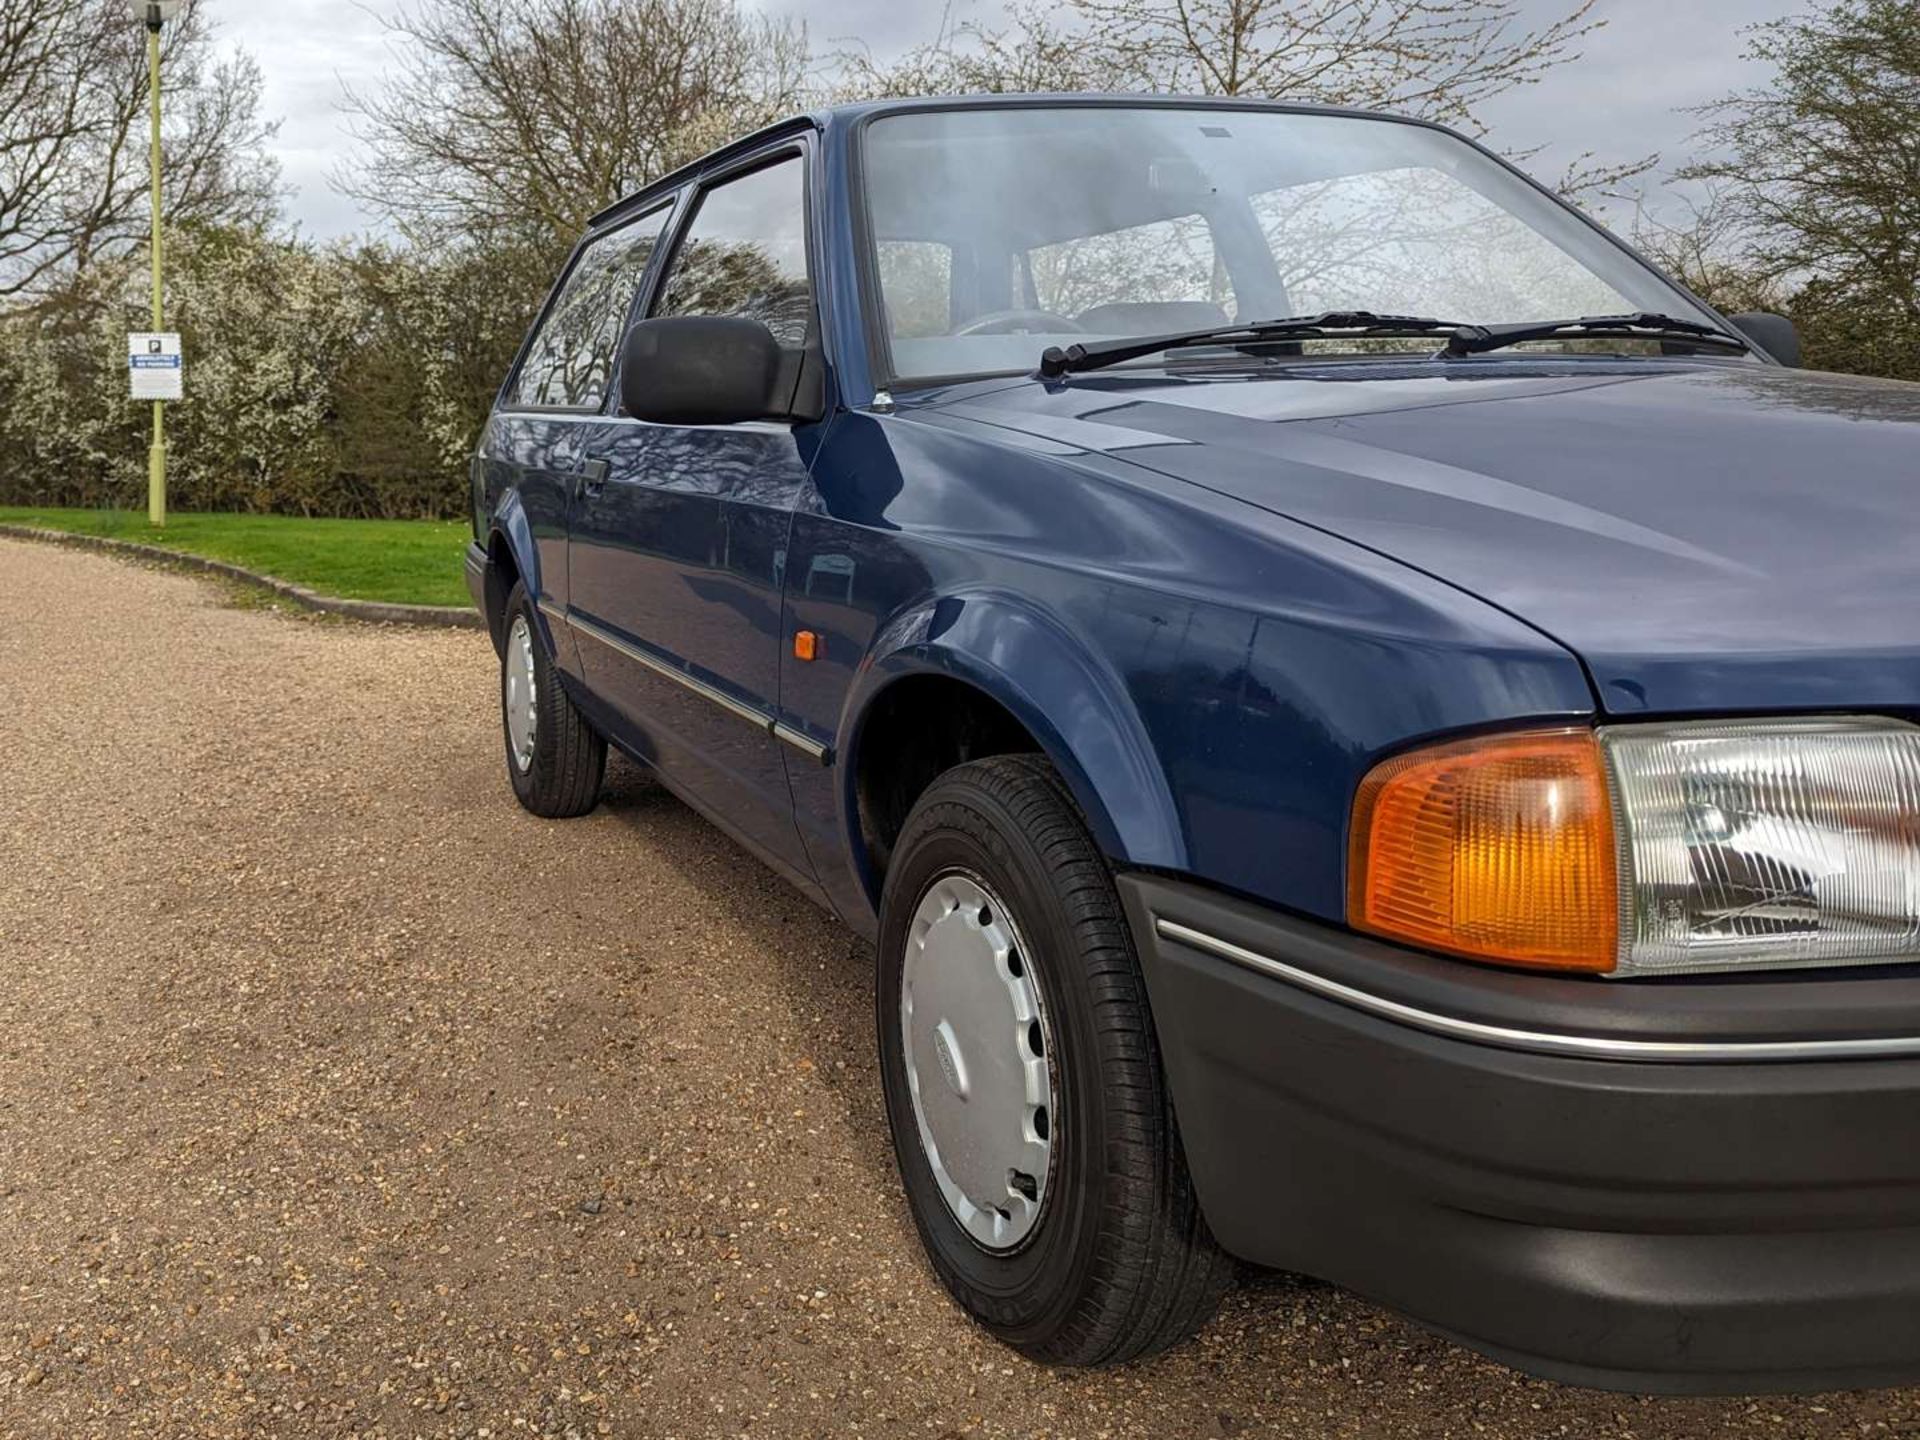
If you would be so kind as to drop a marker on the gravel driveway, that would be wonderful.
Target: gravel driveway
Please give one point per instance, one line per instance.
(338, 1096)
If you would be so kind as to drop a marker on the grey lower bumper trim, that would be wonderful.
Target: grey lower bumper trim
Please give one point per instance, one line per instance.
(1584, 1047)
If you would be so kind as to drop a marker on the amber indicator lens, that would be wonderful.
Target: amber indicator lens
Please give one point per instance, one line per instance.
(1499, 848)
(806, 645)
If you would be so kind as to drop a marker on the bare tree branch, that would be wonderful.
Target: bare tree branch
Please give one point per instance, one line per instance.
(73, 125)
(1818, 172)
(1440, 59)
(530, 115)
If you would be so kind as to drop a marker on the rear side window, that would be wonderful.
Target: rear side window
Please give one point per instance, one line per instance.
(746, 254)
(570, 361)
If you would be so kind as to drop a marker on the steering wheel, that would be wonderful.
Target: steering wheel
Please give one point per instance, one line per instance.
(1020, 322)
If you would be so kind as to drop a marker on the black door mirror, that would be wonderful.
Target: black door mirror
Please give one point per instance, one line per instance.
(1774, 334)
(715, 370)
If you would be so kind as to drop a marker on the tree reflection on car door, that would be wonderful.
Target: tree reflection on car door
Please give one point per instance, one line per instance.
(679, 551)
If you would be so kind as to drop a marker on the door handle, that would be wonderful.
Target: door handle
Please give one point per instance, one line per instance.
(593, 476)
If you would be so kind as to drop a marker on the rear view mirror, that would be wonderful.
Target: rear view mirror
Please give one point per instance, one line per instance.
(1774, 334)
(715, 370)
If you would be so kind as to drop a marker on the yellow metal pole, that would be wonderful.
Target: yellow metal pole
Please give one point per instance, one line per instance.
(157, 458)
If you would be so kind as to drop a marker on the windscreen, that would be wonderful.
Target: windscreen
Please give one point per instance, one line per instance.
(1000, 231)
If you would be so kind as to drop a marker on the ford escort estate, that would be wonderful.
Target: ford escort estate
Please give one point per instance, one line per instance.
(1372, 733)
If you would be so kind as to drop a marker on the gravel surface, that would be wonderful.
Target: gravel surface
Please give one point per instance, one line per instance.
(338, 1096)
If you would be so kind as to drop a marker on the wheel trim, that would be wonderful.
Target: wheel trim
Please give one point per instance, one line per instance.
(978, 1053)
(520, 694)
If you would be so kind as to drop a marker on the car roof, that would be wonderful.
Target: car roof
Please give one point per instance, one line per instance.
(855, 112)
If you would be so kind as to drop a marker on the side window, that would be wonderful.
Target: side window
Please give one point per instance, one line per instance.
(745, 253)
(571, 357)
(916, 277)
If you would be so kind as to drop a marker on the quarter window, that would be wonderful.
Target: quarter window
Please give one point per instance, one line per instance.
(569, 364)
(745, 253)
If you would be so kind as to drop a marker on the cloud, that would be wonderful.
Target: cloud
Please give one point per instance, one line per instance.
(1624, 99)
(308, 51)
(1629, 94)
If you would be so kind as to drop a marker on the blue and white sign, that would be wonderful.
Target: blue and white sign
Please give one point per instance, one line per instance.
(158, 370)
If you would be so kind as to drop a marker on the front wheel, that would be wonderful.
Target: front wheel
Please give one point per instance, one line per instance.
(555, 759)
(1030, 1116)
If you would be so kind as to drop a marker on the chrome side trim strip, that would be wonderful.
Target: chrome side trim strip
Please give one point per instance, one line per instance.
(1585, 1047)
(660, 667)
(551, 610)
(753, 715)
(802, 742)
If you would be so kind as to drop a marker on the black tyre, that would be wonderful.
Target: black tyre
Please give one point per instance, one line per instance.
(1029, 1112)
(555, 759)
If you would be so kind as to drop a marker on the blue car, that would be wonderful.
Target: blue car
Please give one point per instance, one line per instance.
(1371, 732)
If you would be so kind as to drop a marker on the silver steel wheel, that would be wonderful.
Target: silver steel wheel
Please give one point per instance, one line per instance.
(977, 1048)
(519, 693)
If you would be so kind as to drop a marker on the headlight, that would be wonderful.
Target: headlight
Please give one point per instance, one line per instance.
(1649, 849)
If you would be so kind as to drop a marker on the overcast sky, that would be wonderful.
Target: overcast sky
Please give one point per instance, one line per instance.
(1624, 99)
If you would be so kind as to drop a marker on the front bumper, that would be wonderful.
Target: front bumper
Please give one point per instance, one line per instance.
(1675, 1186)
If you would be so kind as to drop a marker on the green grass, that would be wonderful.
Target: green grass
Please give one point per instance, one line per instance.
(411, 562)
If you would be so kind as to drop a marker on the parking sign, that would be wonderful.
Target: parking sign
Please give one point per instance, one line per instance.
(156, 366)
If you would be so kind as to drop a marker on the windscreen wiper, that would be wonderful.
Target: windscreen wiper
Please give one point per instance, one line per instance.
(1338, 324)
(1478, 339)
